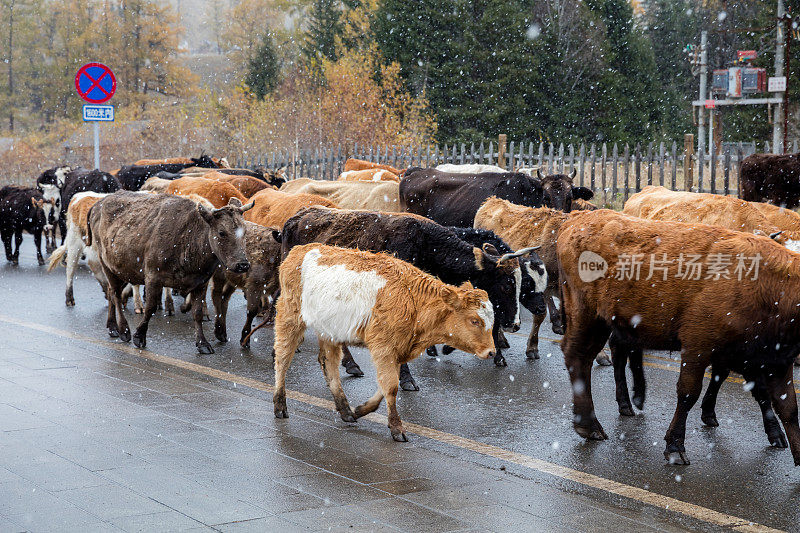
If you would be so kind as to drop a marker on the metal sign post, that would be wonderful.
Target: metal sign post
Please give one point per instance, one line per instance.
(96, 84)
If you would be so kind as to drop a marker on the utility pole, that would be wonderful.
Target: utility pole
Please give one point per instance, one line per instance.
(787, 57)
(780, 55)
(701, 121)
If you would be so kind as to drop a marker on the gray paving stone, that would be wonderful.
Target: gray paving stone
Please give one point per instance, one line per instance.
(167, 521)
(111, 501)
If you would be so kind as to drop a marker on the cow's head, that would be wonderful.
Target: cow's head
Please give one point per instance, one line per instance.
(559, 192)
(275, 178)
(789, 239)
(221, 162)
(469, 319)
(501, 277)
(226, 234)
(52, 205)
(534, 282)
(204, 161)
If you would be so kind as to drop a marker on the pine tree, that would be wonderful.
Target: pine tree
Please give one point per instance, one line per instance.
(324, 26)
(263, 69)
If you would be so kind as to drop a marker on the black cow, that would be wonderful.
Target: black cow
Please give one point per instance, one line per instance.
(453, 199)
(424, 244)
(21, 209)
(771, 178)
(132, 177)
(69, 182)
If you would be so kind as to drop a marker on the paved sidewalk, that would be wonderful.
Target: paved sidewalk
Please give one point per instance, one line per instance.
(93, 439)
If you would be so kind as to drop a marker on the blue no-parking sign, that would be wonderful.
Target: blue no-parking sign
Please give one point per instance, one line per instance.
(95, 83)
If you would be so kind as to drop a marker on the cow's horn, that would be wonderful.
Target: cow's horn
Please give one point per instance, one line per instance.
(539, 173)
(518, 253)
(775, 235)
(247, 206)
(573, 173)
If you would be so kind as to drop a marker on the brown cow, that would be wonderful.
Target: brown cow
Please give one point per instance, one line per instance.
(381, 196)
(247, 185)
(259, 284)
(579, 204)
(520, 227)
(785, 219)
(360, 164)
(742, 318)
(373, 174)
(160, 241)
(217, 192)
(221, 162)
(376, 300)
(659, 203)
(273, 208)
(773, 178)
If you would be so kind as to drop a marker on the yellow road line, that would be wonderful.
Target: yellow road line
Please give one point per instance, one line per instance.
(590, 480)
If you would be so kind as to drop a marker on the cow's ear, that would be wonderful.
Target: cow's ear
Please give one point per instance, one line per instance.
(451, 297)
(467, 286)
(277, 235)
(582, 193)
(206, 213)
(235, 202)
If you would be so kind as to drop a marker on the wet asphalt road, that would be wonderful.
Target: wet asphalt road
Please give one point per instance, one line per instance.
(524, 408)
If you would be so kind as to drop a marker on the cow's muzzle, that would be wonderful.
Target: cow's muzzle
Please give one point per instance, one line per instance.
(241, 267)
(485, 355)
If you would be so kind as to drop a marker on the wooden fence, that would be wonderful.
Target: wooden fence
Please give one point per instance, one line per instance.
(613, 172)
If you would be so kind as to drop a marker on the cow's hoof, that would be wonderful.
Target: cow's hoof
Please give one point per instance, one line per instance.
(407, 383)
(603, 360)
(593, 432)
(626, 410)
(281, 413)
(348, 417)
(170, 311)
(431, 351)
(139, 342)
(185, 307)
(244, 344)
(447, 350)
(558, 330)
(499, 360)
(677, 458)
(70, 303)
(125, 335)
(113, 332)
(204, 348)
(221, 334)
(777, 438)
(399, 436)
(352, 368)
(41, 260)
(710, 420)
(532, 354)
(638, 401)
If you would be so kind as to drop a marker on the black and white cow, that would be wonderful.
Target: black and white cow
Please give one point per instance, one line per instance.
(21, 209)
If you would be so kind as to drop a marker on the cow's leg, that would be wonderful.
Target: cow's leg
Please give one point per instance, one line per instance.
(200, 341)
(636, 362)
(115, 286)
(17, 244)
(73, 256)
(220, 296)
(532, 349)
(138, 306)
(6, 236)
(406, 379)
(554, 312)
(580, 347)
(708, 414)
(329, 356)
(499, 360)
(349, 364)
(152, 297)
(289, 330)
(37, 241)
(690, 385)
(253, 308)
(388, 373)
(619, 354)
(781, 391)
(771, 425)
(169, 304)
(62, 226)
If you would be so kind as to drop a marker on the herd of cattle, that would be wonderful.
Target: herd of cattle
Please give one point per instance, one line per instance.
(400, 260)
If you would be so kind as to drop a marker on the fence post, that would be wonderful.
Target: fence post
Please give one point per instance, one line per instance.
(530, 155)
(571, 152)
(650, 163)
(712, 176)
(688, 161)
(615, 157)
(626, 170)
(510, 165)
(592, 168)
(521, 156)
(541, 155)
(501, 150)
(489, 158)
(480, 155)
(463, 149)
(472, 152)
(561, 158)
(739, 155)
(701, 164)
(661, 163)
(581, 164)
(637, 165)
(673, 181)
(727, 169)
(603, 158)
(550, 164)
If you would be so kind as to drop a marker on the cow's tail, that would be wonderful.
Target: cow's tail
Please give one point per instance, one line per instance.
(56, 257)
(89, 226)
(266, 321)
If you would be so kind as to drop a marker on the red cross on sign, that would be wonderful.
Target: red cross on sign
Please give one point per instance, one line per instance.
(95, 83)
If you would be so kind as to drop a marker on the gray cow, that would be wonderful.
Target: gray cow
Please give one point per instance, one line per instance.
(164, 241)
